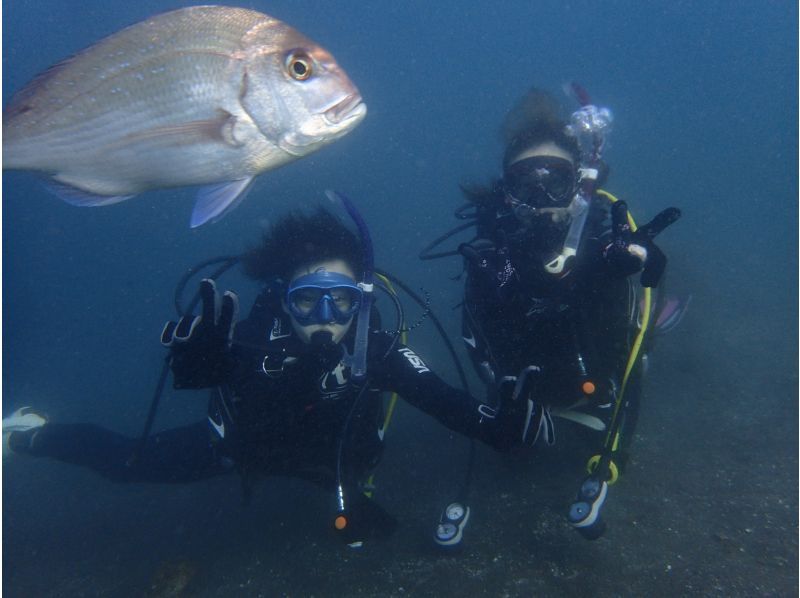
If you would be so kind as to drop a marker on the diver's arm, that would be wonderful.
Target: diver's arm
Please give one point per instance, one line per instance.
(404, 372)
(182, 454)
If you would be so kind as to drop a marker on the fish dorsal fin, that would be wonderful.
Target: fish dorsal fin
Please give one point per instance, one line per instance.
(214, 201)
(21, 100)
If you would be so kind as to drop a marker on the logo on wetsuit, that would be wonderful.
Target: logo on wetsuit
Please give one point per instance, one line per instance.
(414, 360)
(333, 384)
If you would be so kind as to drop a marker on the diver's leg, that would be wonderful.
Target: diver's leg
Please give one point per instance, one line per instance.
(178, 455)
(358, 517)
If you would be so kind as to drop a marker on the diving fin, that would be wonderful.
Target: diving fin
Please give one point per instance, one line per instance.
(368, 520)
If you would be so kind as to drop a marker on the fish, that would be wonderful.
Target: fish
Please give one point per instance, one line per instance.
(208, 96)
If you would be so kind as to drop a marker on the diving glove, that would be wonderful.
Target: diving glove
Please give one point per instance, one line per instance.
(201, 344)
(523, 418)
(631, 251)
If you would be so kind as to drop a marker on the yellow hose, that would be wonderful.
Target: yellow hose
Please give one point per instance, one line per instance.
(403, 339)
(393, 398)
(637, 344)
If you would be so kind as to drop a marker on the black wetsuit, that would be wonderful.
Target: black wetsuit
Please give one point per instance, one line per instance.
(282, 408)
(575, 328)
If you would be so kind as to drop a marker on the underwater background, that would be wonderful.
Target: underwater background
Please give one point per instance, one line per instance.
(705, 102)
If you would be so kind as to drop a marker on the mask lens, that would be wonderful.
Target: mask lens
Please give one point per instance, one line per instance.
(305, 300)
(344, 298)
(541, 181)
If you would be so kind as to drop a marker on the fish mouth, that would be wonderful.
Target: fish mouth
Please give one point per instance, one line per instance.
(351, 107)
(339, 119)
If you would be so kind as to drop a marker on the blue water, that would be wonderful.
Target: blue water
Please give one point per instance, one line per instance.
(705, 100)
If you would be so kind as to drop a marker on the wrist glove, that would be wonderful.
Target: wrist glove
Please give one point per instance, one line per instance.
(630, 251)
(200, 345)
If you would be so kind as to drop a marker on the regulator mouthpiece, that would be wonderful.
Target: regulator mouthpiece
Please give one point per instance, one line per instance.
(321, 338)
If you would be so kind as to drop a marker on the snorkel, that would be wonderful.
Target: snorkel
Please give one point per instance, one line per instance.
(358, 360)
(589, 125)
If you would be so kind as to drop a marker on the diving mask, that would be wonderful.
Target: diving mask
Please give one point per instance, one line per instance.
(540, 182)
(323, 297)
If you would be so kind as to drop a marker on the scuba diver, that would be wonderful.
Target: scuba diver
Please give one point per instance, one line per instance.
(551, 317)
(295, 387)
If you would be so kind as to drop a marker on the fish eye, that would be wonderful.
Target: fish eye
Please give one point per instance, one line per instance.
(299, 66)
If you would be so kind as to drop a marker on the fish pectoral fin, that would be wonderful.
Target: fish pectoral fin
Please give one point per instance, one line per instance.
(214, 201)
(222, 129)
(83, 199)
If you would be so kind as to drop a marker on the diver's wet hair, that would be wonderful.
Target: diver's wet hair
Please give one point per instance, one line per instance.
(536, 119)
(299, 239)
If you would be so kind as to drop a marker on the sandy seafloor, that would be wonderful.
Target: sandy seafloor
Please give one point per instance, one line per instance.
(706, 509)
